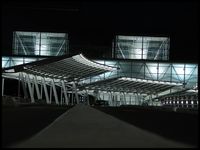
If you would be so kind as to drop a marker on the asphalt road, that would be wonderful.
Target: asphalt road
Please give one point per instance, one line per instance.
(85, 127)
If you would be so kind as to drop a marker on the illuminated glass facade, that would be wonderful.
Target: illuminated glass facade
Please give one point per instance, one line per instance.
(141, 47)
(40, 44)
(139, 57)
(162, 71)
(13, 61)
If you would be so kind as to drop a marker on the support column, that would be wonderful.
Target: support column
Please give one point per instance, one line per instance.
(50, 95)
(41, 90)
(23, 85)
(55, 92)
(152, 100)
(130, 99)
(87, 97)
(61, 100)
(110, 98)
(36, 87)
(45, 91)
(98, 95)
(75, 92)
(150, 103)
(30, 89)
(133, 99)
(124, 96)
(72, 97)
(121, 98)
(2, 86)
(118, 99)
(65, 93)
(114, 98)
(18, 93)
(138, 99)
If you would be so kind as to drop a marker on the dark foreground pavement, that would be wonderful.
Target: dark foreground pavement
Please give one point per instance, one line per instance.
(85, 127)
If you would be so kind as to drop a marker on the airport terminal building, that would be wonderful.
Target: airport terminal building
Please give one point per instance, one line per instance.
(138, 72)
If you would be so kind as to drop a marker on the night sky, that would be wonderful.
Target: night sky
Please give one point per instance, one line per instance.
(93, 25)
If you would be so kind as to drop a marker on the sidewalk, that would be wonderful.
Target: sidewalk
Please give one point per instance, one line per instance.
(85, 127)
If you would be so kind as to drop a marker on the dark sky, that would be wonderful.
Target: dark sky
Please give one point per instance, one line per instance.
(94, 24)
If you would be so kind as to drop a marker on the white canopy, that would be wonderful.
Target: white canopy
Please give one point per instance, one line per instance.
(132, 85)
(70, 69)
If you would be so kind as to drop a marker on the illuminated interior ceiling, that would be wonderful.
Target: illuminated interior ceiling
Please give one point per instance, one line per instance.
(70, 69)
(138, 47)
(132, 85)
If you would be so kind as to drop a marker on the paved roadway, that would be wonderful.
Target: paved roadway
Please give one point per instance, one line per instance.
(85, 127)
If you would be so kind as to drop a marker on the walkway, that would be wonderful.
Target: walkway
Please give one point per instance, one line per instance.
(85, 127)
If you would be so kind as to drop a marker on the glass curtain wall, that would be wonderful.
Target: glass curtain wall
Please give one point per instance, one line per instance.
(13, 61)
(184, 73)
(140, 47)
(40, 44)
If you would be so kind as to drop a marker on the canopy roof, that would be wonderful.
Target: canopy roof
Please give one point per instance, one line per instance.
(71, 68)
(132, 85)
(78, 67)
